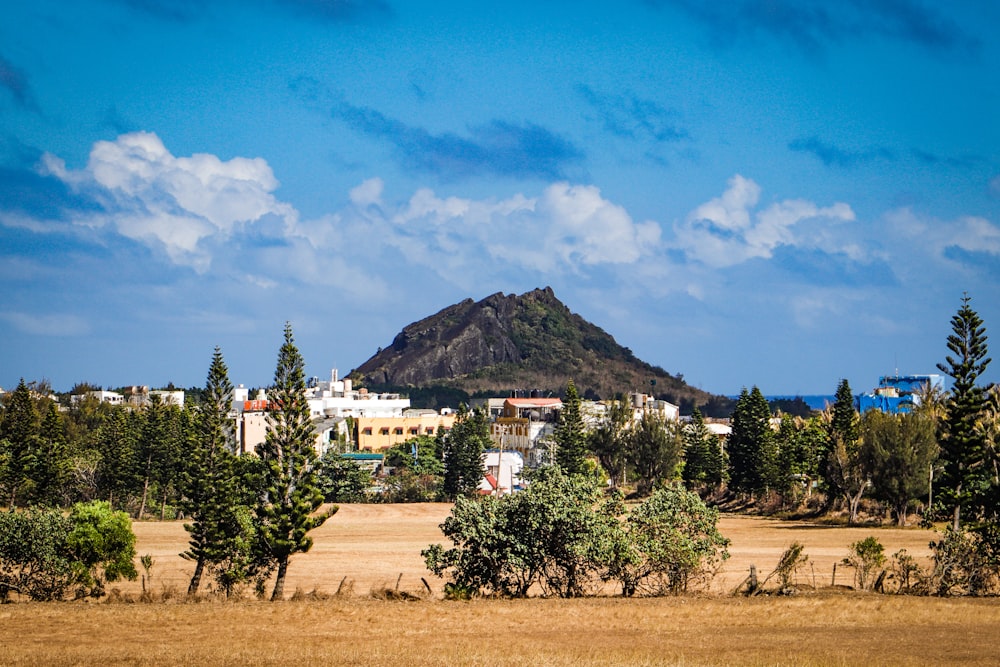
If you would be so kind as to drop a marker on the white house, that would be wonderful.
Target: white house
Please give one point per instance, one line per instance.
(503, 472)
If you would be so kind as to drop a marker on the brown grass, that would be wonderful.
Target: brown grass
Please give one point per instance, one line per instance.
(372, 545)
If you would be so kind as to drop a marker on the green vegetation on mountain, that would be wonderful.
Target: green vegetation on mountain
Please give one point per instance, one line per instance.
(507, 343)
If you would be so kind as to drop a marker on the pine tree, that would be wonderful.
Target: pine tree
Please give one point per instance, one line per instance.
(839, 461)
(19, 429)
(291, 495)
(751, 444)
(655, 448)
(964, 482)
(50, 472)
(462, 451)
(210, 490)
(569, 436)
(702, 456)
(118, 444)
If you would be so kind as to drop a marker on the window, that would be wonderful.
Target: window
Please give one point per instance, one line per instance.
(384, 430)
(398, 430)
(367, 430)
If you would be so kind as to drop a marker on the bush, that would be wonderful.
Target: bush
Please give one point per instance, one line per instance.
(670, 543)
(966, 562)
(563, 538)
(45, 555)
(867, 558)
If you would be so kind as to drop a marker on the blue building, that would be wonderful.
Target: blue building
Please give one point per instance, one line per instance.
(898, 394)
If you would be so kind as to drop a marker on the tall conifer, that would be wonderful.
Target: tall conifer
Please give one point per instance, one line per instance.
(571, 441)
(291, 494)
(965, 482)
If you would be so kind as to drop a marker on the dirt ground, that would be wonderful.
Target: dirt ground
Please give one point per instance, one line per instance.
(372, 545)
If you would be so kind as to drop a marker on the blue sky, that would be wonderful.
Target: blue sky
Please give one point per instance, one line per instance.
(769, 192)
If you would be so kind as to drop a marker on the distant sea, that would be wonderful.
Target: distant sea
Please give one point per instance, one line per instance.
(814, 401)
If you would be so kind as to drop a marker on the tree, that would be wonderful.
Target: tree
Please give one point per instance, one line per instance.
(608, 441)
(655, 446)
(209, 484)
(46, 555)
(551, 535)
(51, 470)
(751, 444)
(844, 470)
(898, 452)
(286, 510)
(342, 480)
(799, 444)
(118, 442)
(462, 450)
(672, 542)
(964, 482)
(569, 436)
(703, 465)
(19, 429)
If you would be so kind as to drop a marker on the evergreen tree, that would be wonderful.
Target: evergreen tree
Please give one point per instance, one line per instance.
(898, 452)
(462, 450)
(655, 446)
(290, 495)
(118, 442)
(210, 491)
(751, 444)
(965, 481)
(51, 470)
(840, 463)
(569, 436)
(608, 441)
(702, 455)
(19, 429)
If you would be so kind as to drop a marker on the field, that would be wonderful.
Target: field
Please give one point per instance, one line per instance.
(374, 546)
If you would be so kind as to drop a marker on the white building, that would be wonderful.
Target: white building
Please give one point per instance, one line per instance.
(503, 471)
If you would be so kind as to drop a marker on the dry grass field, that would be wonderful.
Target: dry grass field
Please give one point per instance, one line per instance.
(372, 545)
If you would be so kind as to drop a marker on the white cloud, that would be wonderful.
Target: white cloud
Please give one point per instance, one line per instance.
(564, 228)
(47, 324)
(727, 231)
(151, 196)
(929, 237)
(369, 193)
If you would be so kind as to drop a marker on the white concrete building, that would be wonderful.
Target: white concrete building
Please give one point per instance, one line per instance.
(503, 471)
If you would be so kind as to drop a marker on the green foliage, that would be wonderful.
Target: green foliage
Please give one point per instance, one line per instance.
(342, 480)
(462, 451)
(608, 440)
(289, 496)
(19, 430)
(569, 436)
(46, 555)
(102, 540)
(898, 451)
(670, 543)
(966, 562)
(751, 444)
(703, 461)
(210, 486)
(655, 448)
(799, 444)
(965, 481)
(867, 557)
(562, 538)
(50, 472)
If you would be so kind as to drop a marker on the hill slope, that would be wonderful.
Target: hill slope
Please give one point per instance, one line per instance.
(510, 342)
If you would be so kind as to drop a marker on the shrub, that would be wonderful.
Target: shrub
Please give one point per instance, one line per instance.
(966, 562)
(45, 555)
(867, 557)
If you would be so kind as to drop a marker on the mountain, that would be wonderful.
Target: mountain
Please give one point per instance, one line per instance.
(509, 342)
